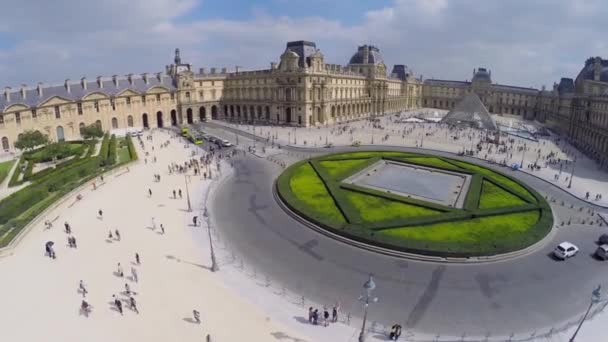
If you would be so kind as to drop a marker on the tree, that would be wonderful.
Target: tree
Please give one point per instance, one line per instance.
(91, 131)
(30, 139)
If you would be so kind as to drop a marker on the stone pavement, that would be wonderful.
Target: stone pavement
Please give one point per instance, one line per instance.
(41, 299)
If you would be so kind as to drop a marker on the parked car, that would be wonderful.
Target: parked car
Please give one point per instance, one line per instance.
(212, 139)
(603, 240)
(565, 250)
(602, 252)
(226, 143)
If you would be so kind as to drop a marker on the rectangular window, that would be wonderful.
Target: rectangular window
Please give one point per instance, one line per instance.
(187, 94)
(18, 118)
(143, 99)
(34, 113)
(57, 113)
(112, 104)
(172, 96)
(201, 95)
(157, 97)
(97, 106)
(79, 105)
(128, 101)
(1, 119)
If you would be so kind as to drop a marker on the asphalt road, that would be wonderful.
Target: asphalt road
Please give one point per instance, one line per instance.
(519, 295)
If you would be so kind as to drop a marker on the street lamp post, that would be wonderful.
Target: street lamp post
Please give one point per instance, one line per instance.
(521, 165)
(369, 286)
(214, 265)
(595, 298)
(572, 174)
(187, 192)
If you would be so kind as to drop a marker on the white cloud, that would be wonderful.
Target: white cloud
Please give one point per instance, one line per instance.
(524, 42)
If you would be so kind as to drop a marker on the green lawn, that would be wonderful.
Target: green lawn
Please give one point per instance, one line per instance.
(5, 168)
(337, 168)
(375, 209)
(308, 188)
(500, 179)
(73, 148)
(484, 234)
(493, 196)
(432, 161)
(122, 151)
(365, 155)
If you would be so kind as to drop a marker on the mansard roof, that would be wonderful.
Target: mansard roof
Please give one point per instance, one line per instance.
(78, 92)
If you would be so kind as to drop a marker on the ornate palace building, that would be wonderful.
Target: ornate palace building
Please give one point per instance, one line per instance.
(301, 89)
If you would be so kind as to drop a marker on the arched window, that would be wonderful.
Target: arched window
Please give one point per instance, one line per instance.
(98, 123)
(114, 123)
(5, 144)
(130, 121)
(81, 127)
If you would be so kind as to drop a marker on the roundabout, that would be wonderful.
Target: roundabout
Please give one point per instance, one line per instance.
(523, 294)
(416, 203)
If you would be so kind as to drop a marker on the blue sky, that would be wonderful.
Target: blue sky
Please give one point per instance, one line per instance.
(523, 42)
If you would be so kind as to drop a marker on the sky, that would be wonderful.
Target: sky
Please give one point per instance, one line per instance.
(523, 42)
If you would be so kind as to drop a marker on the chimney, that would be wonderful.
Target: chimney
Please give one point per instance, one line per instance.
(130, 78)
(67, 85)
(597, 68)
(83, 83)
(115, 80)
(273, 66)
(145, 77)
(365, 54)
(201, 71)
(159, 76)
(212, 71)
(39, 88)
(224, 70)
(23, 92)
(99, 82)
(7, 94)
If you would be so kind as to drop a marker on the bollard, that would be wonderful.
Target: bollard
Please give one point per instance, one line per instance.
(348, 319)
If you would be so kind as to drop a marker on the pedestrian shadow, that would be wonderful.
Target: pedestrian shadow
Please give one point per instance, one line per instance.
(302, 320)
(151, 228)
(279, 335)
(109, 240)
(382, 337)
(171, 257)
(185, 210)
(117, 274)
(113, 306)
(190, 320)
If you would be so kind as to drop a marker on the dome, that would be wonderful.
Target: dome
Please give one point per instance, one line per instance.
(588, 71)
(373, 55)
(483, 75)
(290, 53)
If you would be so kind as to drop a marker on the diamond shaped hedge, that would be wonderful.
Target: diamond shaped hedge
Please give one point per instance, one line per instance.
(499, 213)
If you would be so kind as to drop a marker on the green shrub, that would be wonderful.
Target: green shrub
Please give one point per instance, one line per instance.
(112, 151)
(15, 177)
(103, 150)
(13, 205)
(131, 146)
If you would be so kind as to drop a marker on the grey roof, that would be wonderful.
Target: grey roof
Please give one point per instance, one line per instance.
(374, 56)
(531, 91)
(77, 92)
(446, 83)
(470, 111)
(566, 85)
(482, 74)
(401, 72)
(304, 49)
(588, 72)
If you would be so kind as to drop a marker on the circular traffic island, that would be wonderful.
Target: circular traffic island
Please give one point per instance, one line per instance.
(416, 203)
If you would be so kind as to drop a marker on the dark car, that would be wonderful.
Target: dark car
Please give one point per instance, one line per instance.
(603, 240)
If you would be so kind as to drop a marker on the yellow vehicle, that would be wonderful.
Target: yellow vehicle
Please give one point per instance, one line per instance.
(185, 132)
(196, 138)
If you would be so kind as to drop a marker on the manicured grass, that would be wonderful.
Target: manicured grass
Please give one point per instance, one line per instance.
(500, 215)
(5, 168)
(493, 196)
(338, 168)
(500, 179)
(122, 151)
(308, 188)
(485, 234)
(375, 209)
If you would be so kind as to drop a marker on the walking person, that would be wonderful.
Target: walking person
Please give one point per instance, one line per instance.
(334, 314)
(82, 289)
(162, 229)
(110, 236)
(127, 289)
(195, 221)
(119, 270)
(180, 193)
(149, 192)
(132, 304)
(153, 223)
(310, 315)
(174, 194)
(100, 212)
(197, 316)
(325, 317)
(117, 234)
(137, 258)
(118, 304)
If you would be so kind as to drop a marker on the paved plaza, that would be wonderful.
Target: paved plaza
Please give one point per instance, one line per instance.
(272, 269)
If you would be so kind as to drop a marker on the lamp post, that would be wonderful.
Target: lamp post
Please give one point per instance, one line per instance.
(187, 193)
(369, 286)
(214, 265)
(595, 298)
(572, 174)
(521, 165)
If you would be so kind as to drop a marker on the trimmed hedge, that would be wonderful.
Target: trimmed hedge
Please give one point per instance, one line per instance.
(112, 151)
(103, 150)
(131, 146)
(534, 207)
